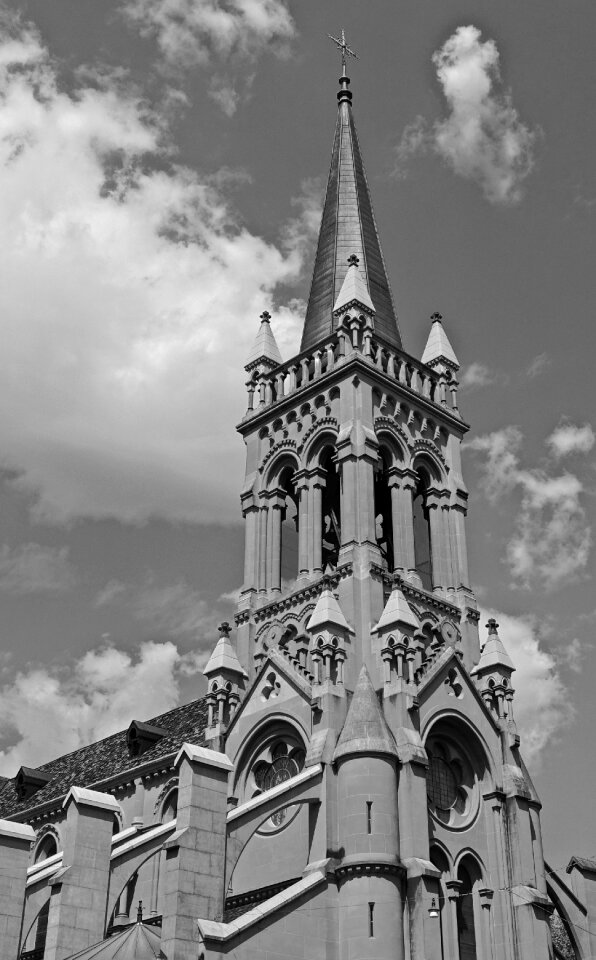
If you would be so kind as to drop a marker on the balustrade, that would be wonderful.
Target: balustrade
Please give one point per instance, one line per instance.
(352, 337)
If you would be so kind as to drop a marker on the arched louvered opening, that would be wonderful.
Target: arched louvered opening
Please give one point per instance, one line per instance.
(289, 529)
(383, 509)
(422, 533)
(330, 509)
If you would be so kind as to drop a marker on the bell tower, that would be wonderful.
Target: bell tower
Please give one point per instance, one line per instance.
(357, 687)
(353, 479)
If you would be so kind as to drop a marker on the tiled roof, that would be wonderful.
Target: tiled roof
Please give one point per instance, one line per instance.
(108, 758)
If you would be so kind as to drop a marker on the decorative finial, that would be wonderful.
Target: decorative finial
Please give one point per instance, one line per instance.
(224, 628)
(436, 316)
(140, 912)
(353, 260)
(492, 626)
(265, 316)
(346, 51)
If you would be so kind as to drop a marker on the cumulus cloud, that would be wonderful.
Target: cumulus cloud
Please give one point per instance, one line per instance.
(129, 300)
(568, 438)
(542, 704)
(192, 33)
(482, 137)
(552, 539)
(91, 699)
(538, 365)
(477, 375)
(33, 568)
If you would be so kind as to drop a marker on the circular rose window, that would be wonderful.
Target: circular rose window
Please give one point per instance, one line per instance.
(451, 783)
(277, 761)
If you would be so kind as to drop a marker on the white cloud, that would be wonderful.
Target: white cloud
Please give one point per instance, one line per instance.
(542, 705)
(552, 539)
(568, 438)
(98, 695)
(538, 365)
(130, 297)
(476, 375)
(236, 33)
(482, 138)
(33, 568)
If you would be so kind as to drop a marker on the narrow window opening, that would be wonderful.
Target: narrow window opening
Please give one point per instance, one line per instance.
(369, 816)
(422, 539)
(331, 511)
(466, 930)
(289, 531)
(371, 919)
(383, 511)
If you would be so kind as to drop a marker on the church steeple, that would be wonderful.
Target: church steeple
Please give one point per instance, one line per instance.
(348, 228)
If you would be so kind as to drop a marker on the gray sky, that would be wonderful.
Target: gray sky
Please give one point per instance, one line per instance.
(162, 173)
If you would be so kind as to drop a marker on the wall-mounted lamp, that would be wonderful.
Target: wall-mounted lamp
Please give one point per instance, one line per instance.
(433, 909)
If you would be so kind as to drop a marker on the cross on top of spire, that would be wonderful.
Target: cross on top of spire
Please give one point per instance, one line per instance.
(346, 51)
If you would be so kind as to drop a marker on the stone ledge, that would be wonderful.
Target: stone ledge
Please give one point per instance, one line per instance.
(211, 758)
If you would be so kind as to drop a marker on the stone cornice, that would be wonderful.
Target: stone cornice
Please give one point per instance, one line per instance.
(344, 367)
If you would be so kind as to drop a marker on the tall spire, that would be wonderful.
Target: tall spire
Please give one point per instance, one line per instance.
(347, 228)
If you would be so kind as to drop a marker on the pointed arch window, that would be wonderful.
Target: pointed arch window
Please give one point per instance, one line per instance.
(289, 528)
(468, 875)
(330, 510)
(422, 534)
(383, 509)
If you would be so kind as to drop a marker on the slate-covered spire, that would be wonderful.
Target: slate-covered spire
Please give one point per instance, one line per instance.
(347, 228)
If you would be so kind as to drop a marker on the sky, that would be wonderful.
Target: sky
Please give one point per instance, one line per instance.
(163, 163)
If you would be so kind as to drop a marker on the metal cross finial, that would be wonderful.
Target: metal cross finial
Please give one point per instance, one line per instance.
(346, 51)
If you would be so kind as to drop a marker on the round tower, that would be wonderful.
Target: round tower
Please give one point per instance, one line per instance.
(369, 874)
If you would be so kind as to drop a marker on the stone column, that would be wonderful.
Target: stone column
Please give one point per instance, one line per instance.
(451, 579)
(250, 512)
(79, 894)
(302, 490)
(437, 542)
(316, 520)
(15, 846)
(195, 853)
(453, 891)
(485, 896)
(276, 505)
(401, 485)
(458, 516)
(263, 516)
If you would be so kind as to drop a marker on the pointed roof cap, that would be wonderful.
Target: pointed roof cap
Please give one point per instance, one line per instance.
(365, 730)
(136, 942)
(397, 611)
(353, 289)
(493, 652)
(328, 611)
(224, 656)
(347, 227)
(265, 347)
(437, 346)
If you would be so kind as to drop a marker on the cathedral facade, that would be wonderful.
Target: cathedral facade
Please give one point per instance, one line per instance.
(352, 784)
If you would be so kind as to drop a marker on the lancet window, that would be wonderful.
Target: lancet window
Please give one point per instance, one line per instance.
(330, 510)
(422, 532)
(383, 510)
(289, 528)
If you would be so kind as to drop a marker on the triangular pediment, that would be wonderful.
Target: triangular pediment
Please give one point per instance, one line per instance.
(291, 682)
(448, 678)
